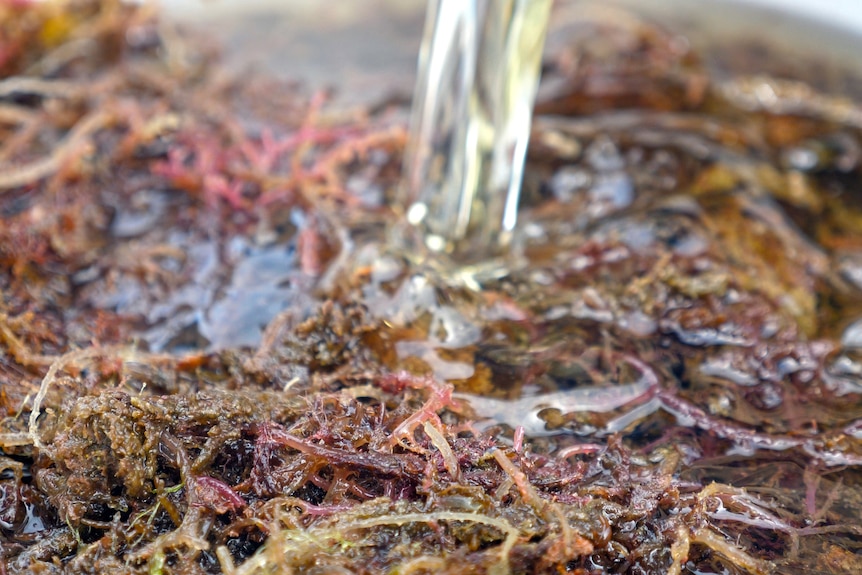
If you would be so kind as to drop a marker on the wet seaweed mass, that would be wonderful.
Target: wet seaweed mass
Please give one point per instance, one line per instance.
(215, 359)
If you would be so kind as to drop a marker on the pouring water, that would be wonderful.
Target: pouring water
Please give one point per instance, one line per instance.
(478, 74)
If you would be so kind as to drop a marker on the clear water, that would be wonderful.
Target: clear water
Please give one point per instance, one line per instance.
(478, 74)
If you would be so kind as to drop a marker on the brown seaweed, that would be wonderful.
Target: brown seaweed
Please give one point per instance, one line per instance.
(211, 360)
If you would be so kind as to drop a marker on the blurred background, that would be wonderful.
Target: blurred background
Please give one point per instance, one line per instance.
(368, 48)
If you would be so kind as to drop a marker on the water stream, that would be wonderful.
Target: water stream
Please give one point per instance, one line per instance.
(473, 105)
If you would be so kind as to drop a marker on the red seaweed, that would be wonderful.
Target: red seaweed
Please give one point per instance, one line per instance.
(217, 357)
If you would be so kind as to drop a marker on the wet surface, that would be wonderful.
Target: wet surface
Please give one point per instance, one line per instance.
(219, 355)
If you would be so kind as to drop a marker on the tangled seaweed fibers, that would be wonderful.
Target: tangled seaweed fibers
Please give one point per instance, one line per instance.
(669, 383)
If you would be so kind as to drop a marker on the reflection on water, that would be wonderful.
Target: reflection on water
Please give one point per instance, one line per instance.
(685, 275)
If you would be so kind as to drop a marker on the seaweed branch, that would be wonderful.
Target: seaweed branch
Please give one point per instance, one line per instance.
(11, 178)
